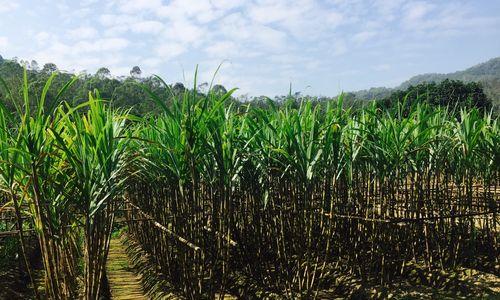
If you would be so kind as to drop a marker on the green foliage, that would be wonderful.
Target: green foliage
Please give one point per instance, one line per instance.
(479, 73)
(487, 74)
(267, 176)
(49, 68)
(120, 92)
(8, 250)
(66, 164)
(448, 93)
(124, 92)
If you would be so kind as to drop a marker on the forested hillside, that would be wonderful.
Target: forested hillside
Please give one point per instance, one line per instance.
(123, 91)
(487, 74)
(484, 72)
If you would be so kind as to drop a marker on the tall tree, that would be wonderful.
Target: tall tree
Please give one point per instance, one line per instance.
(135, 72)
(103, 73)
(34, 65)
(49, 68)
(219, 89)
(178, 88)
(446, 93)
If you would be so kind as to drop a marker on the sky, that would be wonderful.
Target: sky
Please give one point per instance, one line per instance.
(320, 47)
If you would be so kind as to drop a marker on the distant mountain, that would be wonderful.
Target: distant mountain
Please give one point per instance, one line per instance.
(487, 73)
(483, 72)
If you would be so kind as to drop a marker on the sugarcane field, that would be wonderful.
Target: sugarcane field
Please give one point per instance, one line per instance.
(119, 184)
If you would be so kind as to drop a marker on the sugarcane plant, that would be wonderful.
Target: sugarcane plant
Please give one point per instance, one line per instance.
(94, 143)
(228, 198)
(67, 164)
(35, 174)
(283, 199)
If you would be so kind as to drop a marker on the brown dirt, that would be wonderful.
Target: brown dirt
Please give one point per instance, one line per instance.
(124, 284)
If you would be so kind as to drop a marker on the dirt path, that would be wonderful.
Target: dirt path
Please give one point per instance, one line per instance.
(123, 282)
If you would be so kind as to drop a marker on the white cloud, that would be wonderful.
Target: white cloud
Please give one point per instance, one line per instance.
(4, 41)
(43, 37)
(200, 10)
(417, 14)
(117, 24)
(110, 20)
(250, 35)
(82, 55)
(267, 42)
(382, 67)
(151, 61)
(111, 44)
(227, 4)
(364, 36)
(88, 2)
(305, 19)
(168, 51)
(116, 30)
(184, 31)
(140, 5)
(99, 45)
(269, 37)
(152, 27)
(8, 6)
(447, 19)
(289, 59)
(119, 70)
(388, 9)
(82, 32)
(223, 49)
(337, 48)
(415, 11)
(272, 12)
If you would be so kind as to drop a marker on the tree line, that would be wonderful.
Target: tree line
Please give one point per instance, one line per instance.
(125, 91)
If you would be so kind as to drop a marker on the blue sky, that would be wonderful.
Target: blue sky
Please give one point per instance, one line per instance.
(321, 46)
